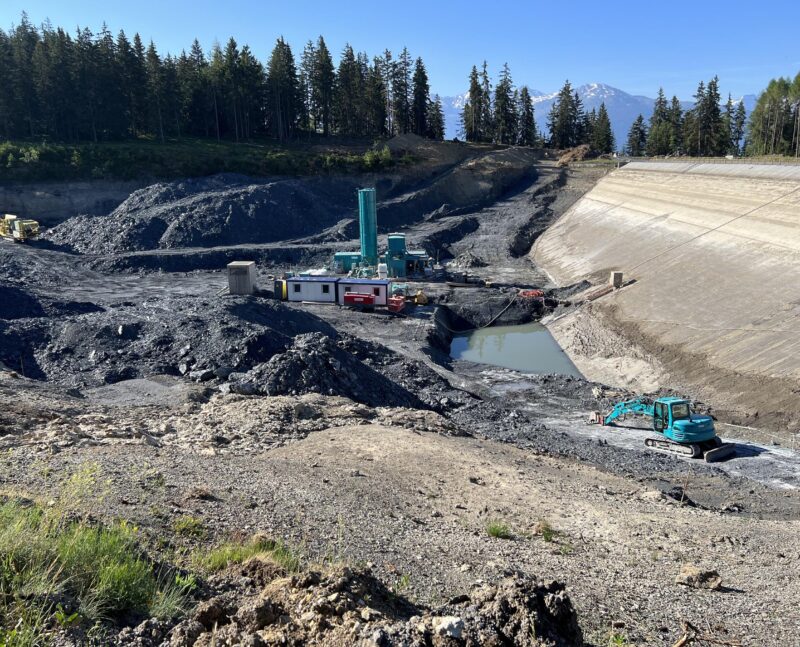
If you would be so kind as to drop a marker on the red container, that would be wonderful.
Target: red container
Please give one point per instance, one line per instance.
(358, 300)
(396, 304)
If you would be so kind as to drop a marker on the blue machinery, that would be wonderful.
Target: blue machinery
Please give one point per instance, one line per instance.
(678, 429)
(400, 261)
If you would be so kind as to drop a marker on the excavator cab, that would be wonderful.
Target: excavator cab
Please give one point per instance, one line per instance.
(674, 418)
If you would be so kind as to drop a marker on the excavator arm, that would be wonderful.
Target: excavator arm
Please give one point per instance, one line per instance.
(637, 405)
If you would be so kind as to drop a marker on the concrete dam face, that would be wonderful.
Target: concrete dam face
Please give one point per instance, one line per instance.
(714, 250)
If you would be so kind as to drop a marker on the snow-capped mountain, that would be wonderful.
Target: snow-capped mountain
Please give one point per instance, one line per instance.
(623, 108)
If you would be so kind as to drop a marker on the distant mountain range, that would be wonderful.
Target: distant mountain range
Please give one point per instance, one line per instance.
(623, 108)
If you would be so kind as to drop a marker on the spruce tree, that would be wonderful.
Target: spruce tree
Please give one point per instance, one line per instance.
(737, 130)
(283, 93)
(660, 133)
(401, 92)
(562, 119)
(420, 101)
(602, 135)
(676, 127)
(435, 119)
(486, 132)
(505, 109)
(322, 87)
(637, 138)
(527, 123)
(376, 100)
(473, 108)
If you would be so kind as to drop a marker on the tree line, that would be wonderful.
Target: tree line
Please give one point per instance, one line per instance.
(502, 116)
(506, 116)
(774, 126)
(706, 130)
(97, 87)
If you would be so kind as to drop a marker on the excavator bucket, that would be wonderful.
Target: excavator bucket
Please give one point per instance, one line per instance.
(725, 450)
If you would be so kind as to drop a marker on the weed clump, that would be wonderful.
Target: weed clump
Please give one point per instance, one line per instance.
(498, 529)
(237, 552)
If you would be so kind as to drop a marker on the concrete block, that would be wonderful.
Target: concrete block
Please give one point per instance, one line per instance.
(616, 279)
(242, 277)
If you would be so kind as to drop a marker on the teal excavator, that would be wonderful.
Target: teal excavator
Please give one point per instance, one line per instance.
(678, 429)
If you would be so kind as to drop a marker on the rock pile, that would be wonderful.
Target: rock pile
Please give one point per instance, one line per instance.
(224, 209)
(345, 606)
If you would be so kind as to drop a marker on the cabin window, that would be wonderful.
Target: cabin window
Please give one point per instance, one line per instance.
(348, 289)
(297, 287)
(376, 292)
(326, 289)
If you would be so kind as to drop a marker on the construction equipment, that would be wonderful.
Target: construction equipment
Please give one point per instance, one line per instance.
(679, 429)
(358, 301)
(18, 229)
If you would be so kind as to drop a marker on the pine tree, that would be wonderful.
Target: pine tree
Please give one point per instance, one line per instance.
(421, 99)
(505, 109)
(527, 123)
(155, 90)
(637, 138)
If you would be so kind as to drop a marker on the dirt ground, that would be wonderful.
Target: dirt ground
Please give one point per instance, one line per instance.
(356, 439)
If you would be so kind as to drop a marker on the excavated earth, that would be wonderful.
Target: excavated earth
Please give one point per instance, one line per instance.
(356, 439)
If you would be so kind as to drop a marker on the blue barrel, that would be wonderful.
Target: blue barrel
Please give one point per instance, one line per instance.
(368, 218)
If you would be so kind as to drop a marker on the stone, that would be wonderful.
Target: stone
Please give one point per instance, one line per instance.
(697, 578)
(451, 626)
(256, 614)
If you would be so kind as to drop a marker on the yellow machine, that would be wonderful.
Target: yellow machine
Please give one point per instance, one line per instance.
(19, 230)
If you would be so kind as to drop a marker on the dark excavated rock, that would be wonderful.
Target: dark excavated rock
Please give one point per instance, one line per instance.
(316, 364)
(224, 209)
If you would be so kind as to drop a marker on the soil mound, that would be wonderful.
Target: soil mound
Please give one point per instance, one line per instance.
(203, 212)
(347, 606)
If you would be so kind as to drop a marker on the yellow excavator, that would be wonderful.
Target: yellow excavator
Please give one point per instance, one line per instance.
(18, 229)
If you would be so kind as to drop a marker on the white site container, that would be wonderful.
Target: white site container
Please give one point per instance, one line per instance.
(242, 277)
(376, 287)
(321, 289)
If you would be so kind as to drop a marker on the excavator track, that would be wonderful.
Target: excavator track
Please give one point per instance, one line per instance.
(711, 451)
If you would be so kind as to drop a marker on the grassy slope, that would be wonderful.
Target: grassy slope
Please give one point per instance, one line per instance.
(37, 162)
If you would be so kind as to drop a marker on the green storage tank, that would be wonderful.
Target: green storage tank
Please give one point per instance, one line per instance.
(397, 245)
(368, 219)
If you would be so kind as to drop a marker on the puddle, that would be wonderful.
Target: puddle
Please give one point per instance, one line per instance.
(529, 348)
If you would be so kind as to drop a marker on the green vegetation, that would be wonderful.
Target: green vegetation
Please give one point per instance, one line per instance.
(237, 552)
(189, 526)
(498, 529)
(96, 572)
(81, 87)
(33, 162)
(774, 127)
(545, 530)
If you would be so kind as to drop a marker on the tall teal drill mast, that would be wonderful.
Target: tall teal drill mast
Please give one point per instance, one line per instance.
(368, 220)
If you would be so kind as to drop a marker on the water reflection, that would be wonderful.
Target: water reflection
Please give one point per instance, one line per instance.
(530, 348)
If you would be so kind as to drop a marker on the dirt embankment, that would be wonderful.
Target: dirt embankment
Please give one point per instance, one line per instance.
(53, 202)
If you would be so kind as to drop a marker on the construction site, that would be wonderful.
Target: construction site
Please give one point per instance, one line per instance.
(487, 397)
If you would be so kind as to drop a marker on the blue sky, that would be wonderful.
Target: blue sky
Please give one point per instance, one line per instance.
(635, 46)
